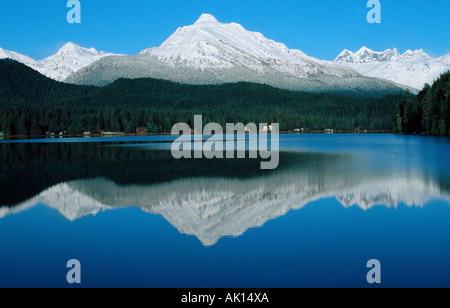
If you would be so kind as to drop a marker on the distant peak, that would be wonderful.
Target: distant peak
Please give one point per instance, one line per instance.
(364, 49)
(409, 54)
(346, 52)
(206, 18)
(69, 47)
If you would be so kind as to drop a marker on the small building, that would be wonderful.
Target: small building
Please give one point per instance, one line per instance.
(141, 130)
(266, 129)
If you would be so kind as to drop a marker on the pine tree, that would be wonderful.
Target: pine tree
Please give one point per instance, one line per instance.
(427, 107)
(398, 124)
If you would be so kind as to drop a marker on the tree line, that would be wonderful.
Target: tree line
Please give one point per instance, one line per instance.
(32, 104)
(428, 112)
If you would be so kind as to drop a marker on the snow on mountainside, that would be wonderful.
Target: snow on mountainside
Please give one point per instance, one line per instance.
(212, 44)
(413, 68)
(69, 59)
(5, 54)
(211, 52)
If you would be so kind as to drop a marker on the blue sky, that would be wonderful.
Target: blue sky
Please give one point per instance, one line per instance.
(321, 29)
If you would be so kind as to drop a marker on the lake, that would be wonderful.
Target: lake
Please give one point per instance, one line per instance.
(136, 217)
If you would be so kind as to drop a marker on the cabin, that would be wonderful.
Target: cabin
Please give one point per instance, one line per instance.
(141, 130)
(266, 129)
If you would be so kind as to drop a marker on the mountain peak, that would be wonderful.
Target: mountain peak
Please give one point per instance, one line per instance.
(364, 48)
(413, 68)
(366, 55)
(416, 53)
(206, 18)
(364, 51)
(210, 44)
(69, 47)
(69, 59)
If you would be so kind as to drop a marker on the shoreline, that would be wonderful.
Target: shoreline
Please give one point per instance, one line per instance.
(72, 136)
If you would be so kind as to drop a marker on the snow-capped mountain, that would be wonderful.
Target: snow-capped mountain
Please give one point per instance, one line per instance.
(413, 68)
(212, 44)
(5, 54)
(69, 59)
(211, 52)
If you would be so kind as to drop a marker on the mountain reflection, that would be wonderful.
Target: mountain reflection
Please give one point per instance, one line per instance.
(206, 198)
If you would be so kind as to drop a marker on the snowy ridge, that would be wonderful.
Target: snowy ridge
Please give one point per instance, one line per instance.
(209, 43)
(365, 55)
(212, 208)
(68, 60)
(211, 52)
(413, 68)
(5, 54)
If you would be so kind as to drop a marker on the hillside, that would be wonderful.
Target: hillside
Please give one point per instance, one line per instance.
(21, 85)
(32, 104)
(427, 113)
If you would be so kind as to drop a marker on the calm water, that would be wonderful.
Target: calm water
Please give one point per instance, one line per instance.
(135, 217)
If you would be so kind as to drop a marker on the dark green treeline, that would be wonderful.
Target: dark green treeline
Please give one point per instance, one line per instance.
(428, 112)
(32, 104)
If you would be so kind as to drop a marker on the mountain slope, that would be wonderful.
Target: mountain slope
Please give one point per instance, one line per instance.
(159, 104)
(413, 68)
(211, 52)
(6, 54)
(211, 44)
(69, 59)
(22, 86)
